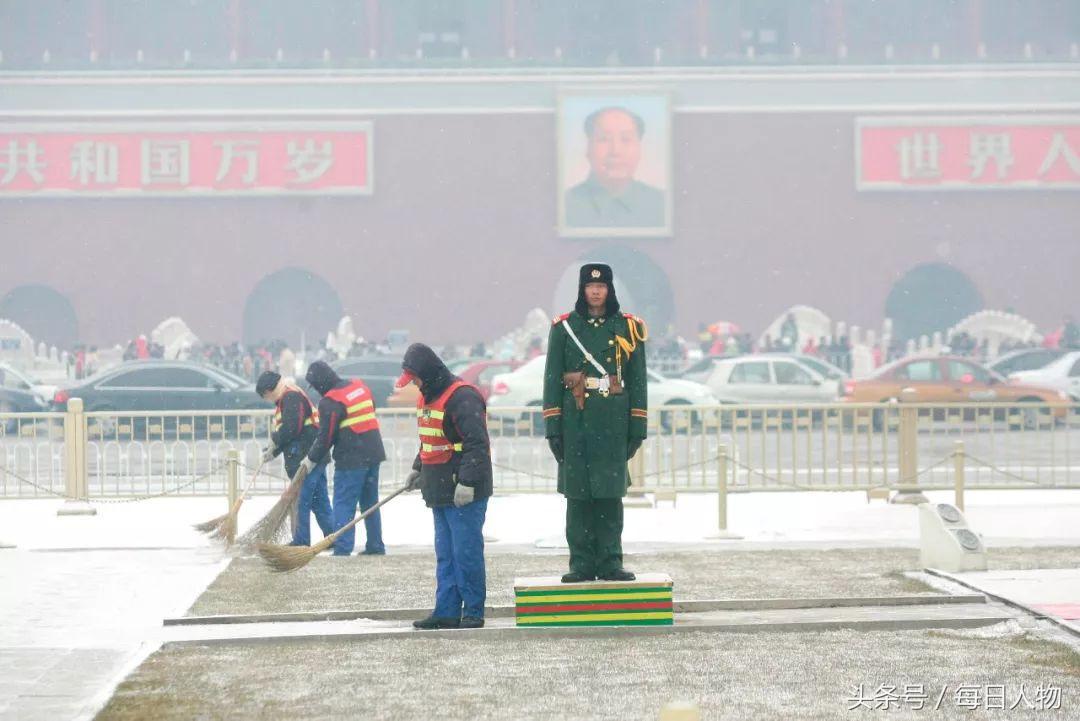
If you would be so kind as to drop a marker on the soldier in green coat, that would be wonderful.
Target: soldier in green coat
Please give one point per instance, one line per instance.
(595, 413)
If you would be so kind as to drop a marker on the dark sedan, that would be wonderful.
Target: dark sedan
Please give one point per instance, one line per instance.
(166, 387)
(161, 386)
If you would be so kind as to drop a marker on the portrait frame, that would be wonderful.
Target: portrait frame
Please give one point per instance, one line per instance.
(655, 171)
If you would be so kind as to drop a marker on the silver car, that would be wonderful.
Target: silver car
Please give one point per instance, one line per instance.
(769, 379)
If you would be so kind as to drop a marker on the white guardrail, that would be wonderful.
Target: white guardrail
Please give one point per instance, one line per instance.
(841, 446)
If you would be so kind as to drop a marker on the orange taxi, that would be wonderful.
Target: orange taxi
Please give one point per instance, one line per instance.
(946, 379)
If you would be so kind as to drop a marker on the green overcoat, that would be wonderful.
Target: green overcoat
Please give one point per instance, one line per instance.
(595, 439)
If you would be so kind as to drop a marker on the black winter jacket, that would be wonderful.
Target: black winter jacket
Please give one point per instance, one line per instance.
(465, 422)
(351, 450)
(293, 438)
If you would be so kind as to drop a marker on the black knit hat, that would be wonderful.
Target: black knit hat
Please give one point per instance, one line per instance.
(596, 273)
(267, 382)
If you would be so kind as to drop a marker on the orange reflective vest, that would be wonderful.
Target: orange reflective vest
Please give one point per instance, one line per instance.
(359, 407)
(311, 419)
(435, 447)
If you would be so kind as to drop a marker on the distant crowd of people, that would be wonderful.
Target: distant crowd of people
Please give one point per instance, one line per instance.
(669, 351)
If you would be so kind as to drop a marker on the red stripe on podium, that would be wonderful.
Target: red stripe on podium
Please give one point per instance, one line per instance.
(591, 607)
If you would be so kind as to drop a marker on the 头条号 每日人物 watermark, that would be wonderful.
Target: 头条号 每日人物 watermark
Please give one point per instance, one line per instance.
(988, 697)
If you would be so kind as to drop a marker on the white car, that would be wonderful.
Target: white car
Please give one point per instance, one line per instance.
(1062, 375)
(769, 379)
(525, 387)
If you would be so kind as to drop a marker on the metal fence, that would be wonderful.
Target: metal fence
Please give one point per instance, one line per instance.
(690, 448)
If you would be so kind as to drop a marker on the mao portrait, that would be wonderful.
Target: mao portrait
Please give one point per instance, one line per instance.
(614, 165)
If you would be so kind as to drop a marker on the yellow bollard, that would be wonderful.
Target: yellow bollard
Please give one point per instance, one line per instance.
(680, 711)
(233, 474)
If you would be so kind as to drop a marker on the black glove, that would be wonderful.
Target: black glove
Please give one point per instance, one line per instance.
(555, 444)
(632, 447)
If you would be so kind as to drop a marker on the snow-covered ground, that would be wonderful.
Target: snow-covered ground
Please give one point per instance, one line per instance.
(83, 596)
(1002, 517)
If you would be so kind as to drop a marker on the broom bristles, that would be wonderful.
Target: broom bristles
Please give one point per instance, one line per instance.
(289, 558)
(210, 526)
(270, 527)
(285, 558)
(215, 527)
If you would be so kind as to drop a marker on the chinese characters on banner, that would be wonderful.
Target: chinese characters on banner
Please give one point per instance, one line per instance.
(150, 159)
(967, 153)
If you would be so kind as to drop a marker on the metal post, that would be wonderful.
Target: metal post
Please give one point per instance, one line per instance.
(75, 485)
(958, 473)
(233, 474)
(721, 493)
(721, 469)
(908, 488)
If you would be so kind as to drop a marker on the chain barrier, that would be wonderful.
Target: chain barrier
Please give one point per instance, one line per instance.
(92, 501)
(27, 481)
(1009, 474)
(651, 474)
(166, 492)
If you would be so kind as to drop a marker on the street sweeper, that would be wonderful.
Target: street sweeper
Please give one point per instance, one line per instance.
(348, 425)
(453, 472)
(294, 428)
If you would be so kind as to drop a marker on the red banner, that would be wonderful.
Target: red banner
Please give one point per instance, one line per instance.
(196, 159)
(967, 153)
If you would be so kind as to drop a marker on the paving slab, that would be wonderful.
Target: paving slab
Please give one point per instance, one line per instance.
(74, 623)
(1050, 592)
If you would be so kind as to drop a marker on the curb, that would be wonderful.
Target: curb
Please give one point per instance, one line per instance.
(753, 604)
(612, 631)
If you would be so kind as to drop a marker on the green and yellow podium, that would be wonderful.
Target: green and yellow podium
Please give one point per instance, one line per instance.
(545, 601)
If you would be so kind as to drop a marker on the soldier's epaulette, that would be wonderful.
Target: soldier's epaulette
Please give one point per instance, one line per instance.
(559, 318)
(633, 317)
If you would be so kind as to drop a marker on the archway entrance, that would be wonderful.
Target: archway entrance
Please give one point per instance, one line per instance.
(930, 297)
(291, 304)
(642, 285)
(46, 314)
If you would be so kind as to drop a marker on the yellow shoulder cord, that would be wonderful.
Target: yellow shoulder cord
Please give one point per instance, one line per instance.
(629, 346)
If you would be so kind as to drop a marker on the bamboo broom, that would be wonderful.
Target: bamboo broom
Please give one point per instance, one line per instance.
(290, 558)
(214, 524)
(270, 527)
(226, 530)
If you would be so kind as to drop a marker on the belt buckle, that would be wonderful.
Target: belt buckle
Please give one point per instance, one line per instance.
(604, 386)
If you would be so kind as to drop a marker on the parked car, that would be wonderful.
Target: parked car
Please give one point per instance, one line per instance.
(769, 379)
(525, 387)
(164, 386)
(1062, 375)
(1025, 359)
(19, 393)
(951, 379)
(477, 372)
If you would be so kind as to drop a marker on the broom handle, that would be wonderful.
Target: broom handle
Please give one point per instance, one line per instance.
(250, 483)
(352, 524)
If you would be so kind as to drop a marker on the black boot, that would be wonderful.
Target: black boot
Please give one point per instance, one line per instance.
(619, 574)
(577, 577)
(471, 622)
(436, 622)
